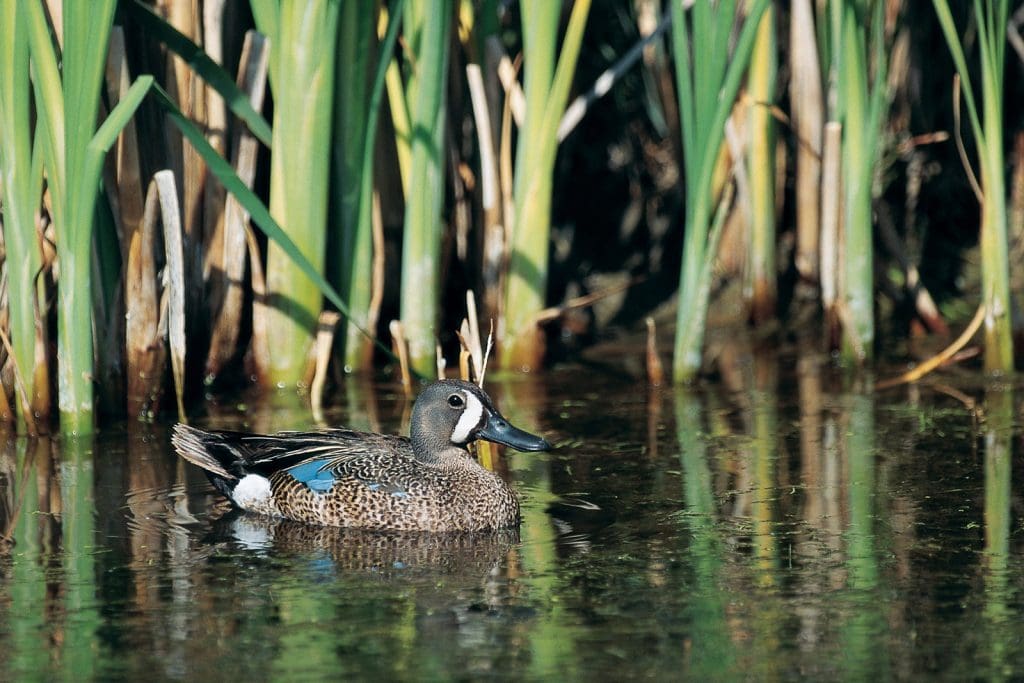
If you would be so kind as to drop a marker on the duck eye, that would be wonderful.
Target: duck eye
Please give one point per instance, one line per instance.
(455, 401)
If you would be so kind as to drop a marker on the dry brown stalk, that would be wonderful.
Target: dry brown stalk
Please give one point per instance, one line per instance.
(144, 350)
(226, 249)
(19, 386)
(442, 364)
(401, 349)
(941, 358)
(377, 284)
(328, 325)
(808, 114)
(831, 212)
(259, 296)
(553, 312)
(174, 289)
(655, 370)
(973, 179)
(465, 356)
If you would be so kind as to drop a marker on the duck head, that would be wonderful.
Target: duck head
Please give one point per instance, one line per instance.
(452, 413)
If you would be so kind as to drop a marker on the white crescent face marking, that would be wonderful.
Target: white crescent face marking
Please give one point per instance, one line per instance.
(470, 419)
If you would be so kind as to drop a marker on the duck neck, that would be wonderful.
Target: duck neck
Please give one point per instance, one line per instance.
(431, 450)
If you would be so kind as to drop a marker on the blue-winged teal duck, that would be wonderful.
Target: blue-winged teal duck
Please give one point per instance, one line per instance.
(339, 477)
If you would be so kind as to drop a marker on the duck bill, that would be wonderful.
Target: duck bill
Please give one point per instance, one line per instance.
(499, 430)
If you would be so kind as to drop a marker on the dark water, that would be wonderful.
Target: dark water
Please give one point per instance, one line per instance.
(788, 528)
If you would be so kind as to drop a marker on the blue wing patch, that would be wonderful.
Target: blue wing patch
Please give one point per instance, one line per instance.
(314, 475)
(319, 476)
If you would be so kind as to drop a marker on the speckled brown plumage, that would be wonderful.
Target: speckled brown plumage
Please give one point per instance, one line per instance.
(339, 477)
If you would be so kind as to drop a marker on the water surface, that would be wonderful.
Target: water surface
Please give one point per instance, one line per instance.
(788, 527)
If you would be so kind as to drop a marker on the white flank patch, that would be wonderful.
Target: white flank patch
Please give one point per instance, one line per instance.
(470, 419)
(252, 492)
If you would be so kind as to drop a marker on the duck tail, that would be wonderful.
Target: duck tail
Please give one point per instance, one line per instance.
(200, 449)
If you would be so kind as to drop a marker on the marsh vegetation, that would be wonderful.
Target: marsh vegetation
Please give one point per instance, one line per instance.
(192, 203)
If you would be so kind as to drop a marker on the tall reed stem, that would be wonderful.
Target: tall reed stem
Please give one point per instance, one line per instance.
(547, 92)
(859, 111)
(427, 26)
(707, 80)
(302, 42)
(357, 122)
(991, 19)
(69, 102)
(760, 271)
(351, 206)
(807, 106)
(995, 273)
(20, 185)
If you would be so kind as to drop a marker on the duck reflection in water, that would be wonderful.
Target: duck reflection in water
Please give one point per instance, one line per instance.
(386, 552)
